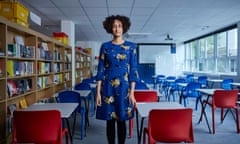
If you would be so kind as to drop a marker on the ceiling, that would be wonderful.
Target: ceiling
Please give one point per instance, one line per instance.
(151, 20)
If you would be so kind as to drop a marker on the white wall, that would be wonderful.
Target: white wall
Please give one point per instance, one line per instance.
(170, 64)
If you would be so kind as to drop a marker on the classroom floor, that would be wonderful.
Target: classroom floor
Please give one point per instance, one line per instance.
(225, 132)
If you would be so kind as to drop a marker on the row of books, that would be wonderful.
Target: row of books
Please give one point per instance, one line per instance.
(19, 86)
(58, 78)
(68, 57)
(57, 55)
(43, 54)
(19, 68)
(58, 67)
(43, 82)
(19, 50)
(83, 58)
(81, 65)
(44, 67)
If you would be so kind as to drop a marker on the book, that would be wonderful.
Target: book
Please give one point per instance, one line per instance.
(12, 88)
(10, 68)
(23, 103)
(10, 109)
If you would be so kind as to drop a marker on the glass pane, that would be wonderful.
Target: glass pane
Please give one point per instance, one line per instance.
(202, 48)
(232, 42)
(187, 65)
(221, 65)
(210, 46)
(193, 50)
(194, 65)
(187, 48)
(210, 65)
(202, 65)
(221, 44)
(233, 65)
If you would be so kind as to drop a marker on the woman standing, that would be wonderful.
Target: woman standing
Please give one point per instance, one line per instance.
(116, 77)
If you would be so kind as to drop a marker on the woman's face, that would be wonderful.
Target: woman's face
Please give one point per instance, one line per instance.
(117, 28)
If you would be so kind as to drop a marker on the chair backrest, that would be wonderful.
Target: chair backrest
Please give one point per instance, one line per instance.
(37, 127)
(146, 96)
(82, 86)
(190, 89)
(141, 85)
(89, 80)
(160, 78)
(69, 96)
(189, 78)
(225, 98)
(171, 125)
(226, 84)
(202, 80)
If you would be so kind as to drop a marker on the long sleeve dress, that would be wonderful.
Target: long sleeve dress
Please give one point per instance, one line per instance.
(117, 68)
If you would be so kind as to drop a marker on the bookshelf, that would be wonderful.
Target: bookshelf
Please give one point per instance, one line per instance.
(82, 65)
(33, 67)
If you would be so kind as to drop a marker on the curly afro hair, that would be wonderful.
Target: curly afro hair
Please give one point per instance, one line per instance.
(108, 23)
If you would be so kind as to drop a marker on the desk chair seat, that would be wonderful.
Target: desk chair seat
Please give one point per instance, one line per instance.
(40, 127)
(169, 126)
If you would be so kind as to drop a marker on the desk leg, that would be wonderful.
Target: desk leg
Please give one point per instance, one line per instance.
(137, 126)
(203, 113)
(69, 130)
(86, 116)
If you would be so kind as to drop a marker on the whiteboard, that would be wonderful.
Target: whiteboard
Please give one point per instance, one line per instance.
(148, 53)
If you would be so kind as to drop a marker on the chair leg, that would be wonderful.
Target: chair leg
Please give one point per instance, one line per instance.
(213, 120)
(130, 127)
(237, 120)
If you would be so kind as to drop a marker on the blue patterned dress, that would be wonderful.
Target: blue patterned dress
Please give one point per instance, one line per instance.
(117, 68)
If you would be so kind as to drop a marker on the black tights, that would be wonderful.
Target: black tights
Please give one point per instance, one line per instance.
(121, 131)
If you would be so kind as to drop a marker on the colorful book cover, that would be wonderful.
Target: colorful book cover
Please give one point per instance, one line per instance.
(12, 88)
(10, 68)
(39, 82)
(23, 103)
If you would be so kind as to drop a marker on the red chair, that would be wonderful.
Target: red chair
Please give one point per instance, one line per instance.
(40, 127)
(224, 99)
(169, 126)
(143, 96)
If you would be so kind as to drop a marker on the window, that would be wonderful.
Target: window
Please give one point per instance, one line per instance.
(216, 53)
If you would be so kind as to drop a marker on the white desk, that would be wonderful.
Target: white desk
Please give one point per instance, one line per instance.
(235, 84)
(83, 93)
(66, 109)
(143, 110)
(213, 81)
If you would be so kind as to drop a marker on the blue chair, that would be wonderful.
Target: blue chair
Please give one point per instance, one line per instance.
(159, 81)
(190, 91)
(165, 85)
(86, 86)
(141, 85)
(173, 88)
(203, 81)
(69, 96)
(189, 78)
(226, 84)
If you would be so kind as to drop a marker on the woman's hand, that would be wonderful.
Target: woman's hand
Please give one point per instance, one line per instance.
(132, 99)
(98, 100)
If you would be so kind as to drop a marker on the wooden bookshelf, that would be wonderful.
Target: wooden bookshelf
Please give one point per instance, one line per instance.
(33, 67)
(82, 65)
